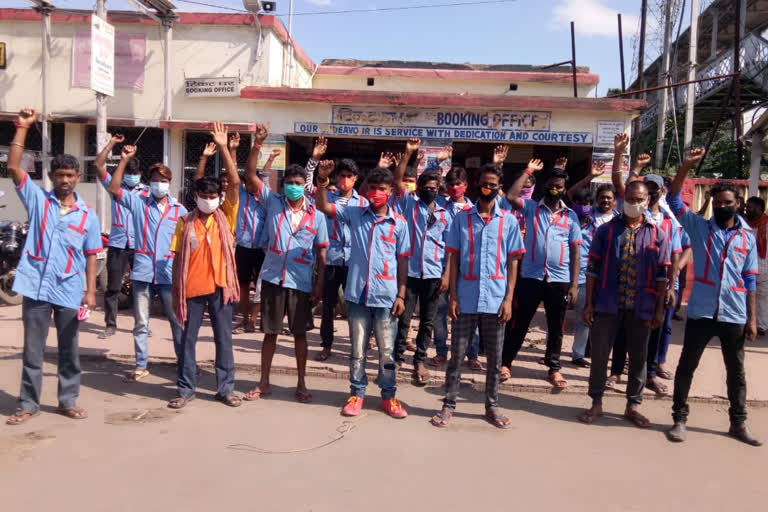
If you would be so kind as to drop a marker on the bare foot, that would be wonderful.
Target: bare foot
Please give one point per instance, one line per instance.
(257, 392)
(591, 414)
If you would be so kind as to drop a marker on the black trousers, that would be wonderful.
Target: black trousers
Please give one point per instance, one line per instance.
(528, 294)
(117, 261)
(426, 291)
(335, 276)
(698, 333)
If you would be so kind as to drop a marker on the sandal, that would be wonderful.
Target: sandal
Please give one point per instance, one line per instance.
(557, 381)
(421, 375)
(638, 419)
(73, 412)
(474, 364)
(180, 401)
(255, 394)
(303, 396)
(665, 374)
(323, 355)
(231, 400)
(136, 375)
(437, 361)
(612, 381)
(21, 416)
(506, 374)
(656, 386)
(442, 419)
(589, 416)
(497, 419)
(244, 327)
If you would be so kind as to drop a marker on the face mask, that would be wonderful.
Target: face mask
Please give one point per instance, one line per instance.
(456, 191)
(293, 192)
(634, 210)
(582, 210)
(410, 187)
(655, 197)
(554, 194)
(159, 189)
(377, 198)
(723, 214)
(526, 193)
(131, 180)
(428, 196)
(345, 184)
(207, 205)
(488, 194)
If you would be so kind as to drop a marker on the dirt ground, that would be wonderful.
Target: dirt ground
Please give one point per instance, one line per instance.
(133, 453)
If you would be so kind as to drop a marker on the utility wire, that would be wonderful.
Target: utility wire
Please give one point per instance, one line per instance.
(350, 11)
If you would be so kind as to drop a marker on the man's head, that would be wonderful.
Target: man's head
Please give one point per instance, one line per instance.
(409, 179)
(159, 180)
(133, 167)
(606, 198)
(635, 199)
(655, 184)
(725, 202)
(489, 182)
(456, 182)
(555, 186)
(224, 181)
(755, 208)
(379, 182)
(65, 174)
(207, 194)
(346, 173)
(294, 180)
(582, 202)
(428, 184)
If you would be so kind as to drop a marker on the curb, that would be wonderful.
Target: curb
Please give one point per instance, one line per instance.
(402, 377)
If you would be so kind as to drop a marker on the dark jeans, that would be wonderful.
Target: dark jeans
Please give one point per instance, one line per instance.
(605, 329)
(528, 294)
(683, 278)
(117, 262)
(221, 321)
(658, 343)
(426, 291)
(619, 358)
(698, 333)
(36, 316)
(335, 276)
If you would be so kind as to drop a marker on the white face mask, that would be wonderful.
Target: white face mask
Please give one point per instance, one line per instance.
(635, 210)
(159, 189)
(207, 205)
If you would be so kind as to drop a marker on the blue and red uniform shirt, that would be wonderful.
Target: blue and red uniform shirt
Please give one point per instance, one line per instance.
(121, 234)
(340, 249)
(428, 231)
(250, 219)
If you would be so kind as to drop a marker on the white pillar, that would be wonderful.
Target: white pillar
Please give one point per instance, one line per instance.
(45, 12)
(688, 135)
(754, 168)
(661, 122)
(101, 132)
(168, 26)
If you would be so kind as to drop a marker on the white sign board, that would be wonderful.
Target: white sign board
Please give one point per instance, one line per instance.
(102, 56)
(211, 87)
(607, 130)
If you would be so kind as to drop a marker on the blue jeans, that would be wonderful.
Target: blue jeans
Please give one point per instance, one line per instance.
(221, 322)
(441, 331)
(581, 331)
(362, 320)
(143, 293)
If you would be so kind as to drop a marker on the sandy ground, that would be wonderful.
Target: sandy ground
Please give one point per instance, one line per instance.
(133, 453)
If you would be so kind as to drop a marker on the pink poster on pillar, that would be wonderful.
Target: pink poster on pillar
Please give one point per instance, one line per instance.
(130, 57)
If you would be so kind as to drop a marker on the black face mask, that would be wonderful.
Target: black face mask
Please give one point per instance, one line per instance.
(723, 214)
(490, 196)
(654, 198)
(428, 196)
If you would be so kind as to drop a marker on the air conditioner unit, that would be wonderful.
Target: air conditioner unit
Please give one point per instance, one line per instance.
(259, 6)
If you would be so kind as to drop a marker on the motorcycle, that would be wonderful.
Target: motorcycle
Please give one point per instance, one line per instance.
(12, 237)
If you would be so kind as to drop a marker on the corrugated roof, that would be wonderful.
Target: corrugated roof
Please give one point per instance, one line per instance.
(467, 66)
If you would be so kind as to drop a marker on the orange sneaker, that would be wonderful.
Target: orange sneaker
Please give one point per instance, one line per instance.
(353, 407)
(394, 408)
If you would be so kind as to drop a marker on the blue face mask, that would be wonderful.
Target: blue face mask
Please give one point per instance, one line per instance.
(293, 192)
(131, 180)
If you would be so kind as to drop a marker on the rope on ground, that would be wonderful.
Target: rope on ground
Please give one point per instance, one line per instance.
(342, 430)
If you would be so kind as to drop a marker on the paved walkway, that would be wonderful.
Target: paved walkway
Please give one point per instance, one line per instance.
(527, 373)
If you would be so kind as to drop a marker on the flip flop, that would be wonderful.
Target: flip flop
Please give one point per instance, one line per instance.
(505, 374)
(612, 381)
(557, 381)
(421, 376)
(21, 416)
(665, 374)
(323, 355)
(638, 419)
(442, 419)
(231, 400)
(73, 412)
(657, 387)
(179, 402)
(588, 417)
(136, 375)
(474, 364)
(303, 396)
(497, 419)
(437, 361)
(255, 394)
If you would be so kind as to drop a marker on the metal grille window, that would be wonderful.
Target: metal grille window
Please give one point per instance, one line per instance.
(150, 148)
(34, 144)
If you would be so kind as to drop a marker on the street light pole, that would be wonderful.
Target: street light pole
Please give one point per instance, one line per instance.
(101, 129)
(45, 13)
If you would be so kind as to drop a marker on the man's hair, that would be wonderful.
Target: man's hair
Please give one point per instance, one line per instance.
(636, 184)
(65, 162)
(208, 185)
(294, 170)
(605, 186)
(457, 174)
(760, 203)
(347, 164)
(667, 182)
(558, 174)
(410, 172)
(132, 167)
(582, 195)
(223, 176)
(380, 176)
(723, 186)
(490, 169)
(426, 177)
(160, 169)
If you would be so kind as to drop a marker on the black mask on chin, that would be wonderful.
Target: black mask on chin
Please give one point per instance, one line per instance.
(488, 194)
(428, 196)
(723, 214)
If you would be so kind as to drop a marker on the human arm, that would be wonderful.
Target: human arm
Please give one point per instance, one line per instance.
(24, 121)
(705, 205)
(750, 330)
(271, 158)
(318, 150)
(100, 164)
(253, 183)
(575, 256)
(445, 279)
(220, 138)
(598, 169)
(620, 143)
(126, 155)
(402, 278)
(641, 163)
(91, 271)
(411, 146)
(324, 169)
(320, 258)
(691, 159)
(208, 151)
(588, 315)
(513, 195)
(232, 145)
(505, 311)
(500, 155)
(453, 302)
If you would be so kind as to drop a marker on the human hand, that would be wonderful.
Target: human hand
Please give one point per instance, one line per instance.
(209, 149)
(620, 143)
(505, 311)
(443, 285)
(274, 153)
(573, 294)
(445, 154)
(453, 308)
(588, 315)
(598, 169)
(386, 160)
(325, 168)
(117, 138)
(234, 141)
(500, 154)
(398, 307)
(669, 301)
(750, 330)
(658, 318)
(561, 162)
(535, 165)
(128, 152)
(260, 133)
(694, 157)
(219, 134)
(412, 145)
(643, 160)
(321, 146)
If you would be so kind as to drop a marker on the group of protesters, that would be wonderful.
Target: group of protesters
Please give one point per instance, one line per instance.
(455, 244)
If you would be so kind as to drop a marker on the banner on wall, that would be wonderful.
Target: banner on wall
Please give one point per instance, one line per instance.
(129, 59)
(279, 163)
